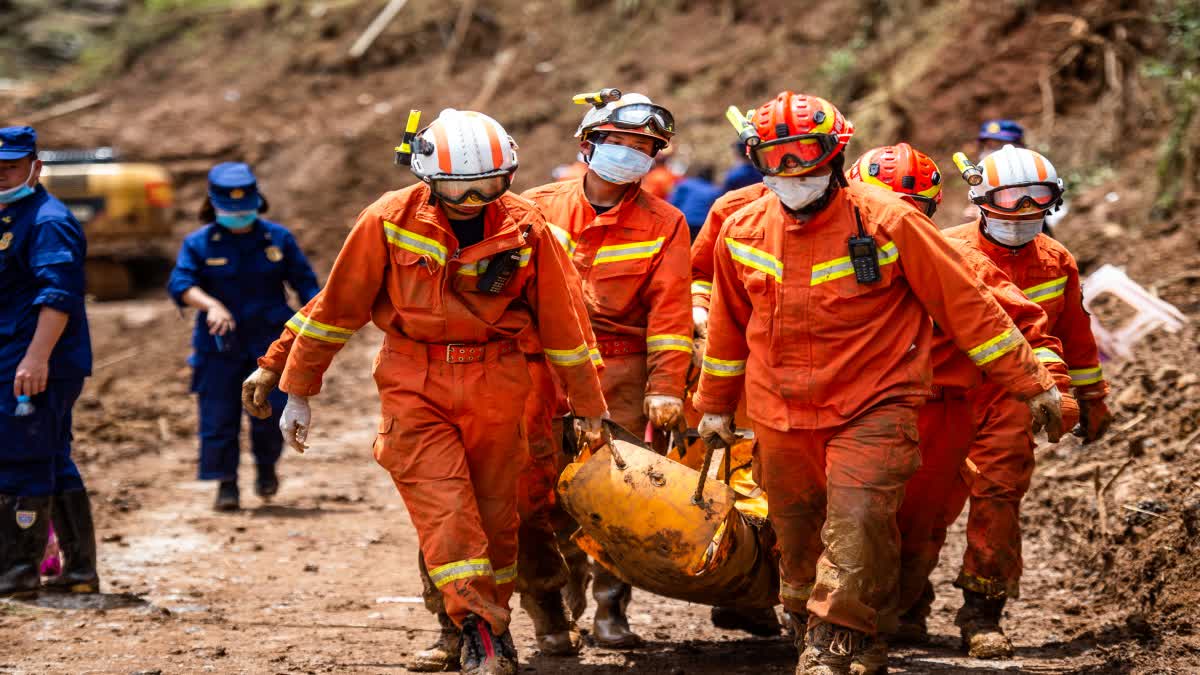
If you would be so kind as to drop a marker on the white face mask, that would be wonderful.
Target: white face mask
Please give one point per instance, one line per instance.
(619, 164)
(796, 192)
(1012, 232)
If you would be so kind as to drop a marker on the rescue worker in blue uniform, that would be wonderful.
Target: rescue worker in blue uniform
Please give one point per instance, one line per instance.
(45, 354)
(233, 270)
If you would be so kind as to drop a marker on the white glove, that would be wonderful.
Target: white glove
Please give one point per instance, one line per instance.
(295, 422)
(700, 321)
(1047, 413)
(255, 390)
(663, 411)
(713, 427)
(591, 432)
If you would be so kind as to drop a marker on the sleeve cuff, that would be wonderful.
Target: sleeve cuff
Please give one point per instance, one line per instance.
(57, 299)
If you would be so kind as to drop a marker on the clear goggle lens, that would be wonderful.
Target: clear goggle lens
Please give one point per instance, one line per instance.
(471, 192)
(1014, 198)
(638, 115)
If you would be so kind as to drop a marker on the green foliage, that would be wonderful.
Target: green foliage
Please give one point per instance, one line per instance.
(1178, 67)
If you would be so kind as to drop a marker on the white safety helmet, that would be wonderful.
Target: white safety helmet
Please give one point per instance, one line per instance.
(1017, 181)
(466, 157)
(631, 114)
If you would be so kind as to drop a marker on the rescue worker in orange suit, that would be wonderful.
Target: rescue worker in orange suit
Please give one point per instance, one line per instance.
(820, 310)
(1019, 188)
(455, 271)
(631, 249)
(704, 247)
(931, 500)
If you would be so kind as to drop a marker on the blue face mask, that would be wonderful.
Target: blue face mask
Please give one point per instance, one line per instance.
(236, 220)
(619, 164)
(13, 195)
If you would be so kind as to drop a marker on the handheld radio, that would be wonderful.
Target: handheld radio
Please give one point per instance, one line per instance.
(864, 254)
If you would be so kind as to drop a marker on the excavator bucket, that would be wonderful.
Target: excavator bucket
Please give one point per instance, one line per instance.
(638, 517)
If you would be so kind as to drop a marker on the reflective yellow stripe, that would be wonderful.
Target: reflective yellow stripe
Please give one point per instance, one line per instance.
(701, 288)
(460, 569)
(1085, 376)
(1046, 291)
(506, 575)
(789, 591)
(476, 268)
(843, 267)
(996, 347)
(302, 325)
(723, 368)
(596, 358)
(633, 251)
(568, 357)
(563, 238)
(411, 241)
(1047, 355)
(662, 343)
(754, 258)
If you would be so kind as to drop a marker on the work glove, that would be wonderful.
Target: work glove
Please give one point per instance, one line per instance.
(663, 411)
(591, 432)
(255, 390)
(1046, 408)
(700, 321)
(1070, 410)
(295, 422)
(1094, 419)
(713, 427)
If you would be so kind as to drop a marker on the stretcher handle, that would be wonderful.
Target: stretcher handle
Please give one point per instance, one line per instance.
(717, 442)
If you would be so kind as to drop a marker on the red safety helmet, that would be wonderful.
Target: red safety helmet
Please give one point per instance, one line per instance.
(904, 170)
(798, 133)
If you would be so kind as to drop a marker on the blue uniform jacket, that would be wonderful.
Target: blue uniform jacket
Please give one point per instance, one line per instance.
(741, 175)
(42, 249)
(694, 197)
(246, 272)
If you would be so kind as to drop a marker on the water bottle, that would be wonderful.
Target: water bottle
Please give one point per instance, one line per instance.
(24, 406)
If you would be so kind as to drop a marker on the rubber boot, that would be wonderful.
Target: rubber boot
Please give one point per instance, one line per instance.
(914, 626)
(611, 627)
(266, 483)
(871, 658)
(830, 649)
(795, 625)
(72, 514)
(556, 635)
(442, 655)
(227, 496)
(579, 574)
(24, 530)
(979, 622)
(760, 622)
(484, 652)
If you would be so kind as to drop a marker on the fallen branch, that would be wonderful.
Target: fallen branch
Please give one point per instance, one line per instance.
(491, 82)
(373, 31)
(1101, 490)
(465, 12)
(67, 107)
(1131, 424)
(1148, 513)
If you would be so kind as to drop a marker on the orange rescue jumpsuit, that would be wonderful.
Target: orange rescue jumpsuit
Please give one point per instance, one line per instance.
(451, 379)
(932, 498)
(633, 259)
(1047, 274)
(706, 239)
(834, 372)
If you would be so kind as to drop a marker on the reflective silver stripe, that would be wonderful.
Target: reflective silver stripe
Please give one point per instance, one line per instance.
(996, 347)
(460, 569)
(754, 258)
(787, 590)
(506, 575)
(701, 288)
(563, 238)
(1047, 355)
(411, 241)
(302, 325)
(476, 268)
(723, 368)
(568, 357)
(596, 358)
(844, 267)
(631, 251)
(1085, 376)
(660, 343)
(1046, 291)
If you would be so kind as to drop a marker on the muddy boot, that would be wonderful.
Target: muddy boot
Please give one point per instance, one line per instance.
(611, 627)
(760, 622)
(72, 515)
(442, 655)
(579, 574)
(24, 529)
(979, 621)
(795, 625)
(871, 658)
(227, 496)
(830, 649)
(484, 652)
(266, 483)
(913, 628)
(556, 635)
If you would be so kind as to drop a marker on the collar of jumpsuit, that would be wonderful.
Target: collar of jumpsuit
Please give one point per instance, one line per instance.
(611, 214)
(499, 233)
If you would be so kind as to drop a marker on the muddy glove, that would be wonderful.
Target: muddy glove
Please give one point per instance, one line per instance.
(295, 422)
(1094, 419)
(591, 432)
(255, 390)
(713, 427)
(1046, 408)
(700, 321)
(663, 411)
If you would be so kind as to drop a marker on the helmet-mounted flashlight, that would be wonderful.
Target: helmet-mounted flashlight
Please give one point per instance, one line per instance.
(598, 99)
(747, 134)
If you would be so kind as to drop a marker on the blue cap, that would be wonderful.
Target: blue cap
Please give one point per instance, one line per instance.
(1007, 131)
(232, 187)
(17, 142)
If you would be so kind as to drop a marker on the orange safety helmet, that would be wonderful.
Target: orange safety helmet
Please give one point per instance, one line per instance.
(904, 170)
(798, 133)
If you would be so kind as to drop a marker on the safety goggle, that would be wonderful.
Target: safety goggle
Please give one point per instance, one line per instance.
(471, 191)
(794, 154)
(1015, 198)
(927, 205)
(639, 115)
